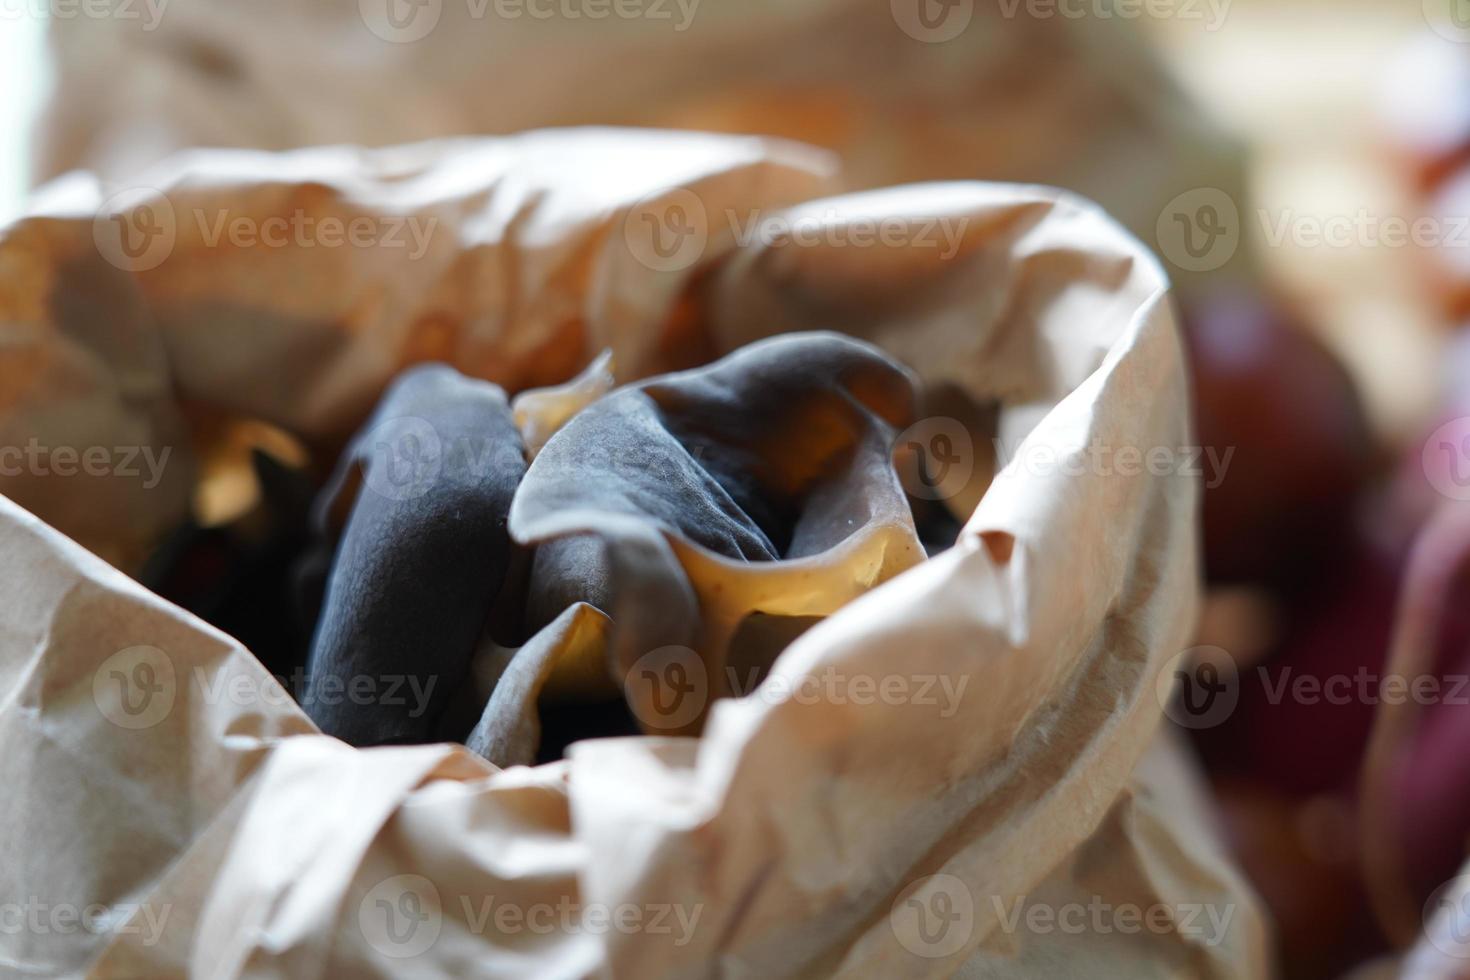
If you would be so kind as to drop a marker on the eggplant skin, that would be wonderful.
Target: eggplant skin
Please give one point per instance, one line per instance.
(422, 557)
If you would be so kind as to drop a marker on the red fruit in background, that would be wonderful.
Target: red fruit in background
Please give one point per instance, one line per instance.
(1302, 720)
(1415, 788)
(1299, 854)
(1304, 714)
(1288, 445)
(1433, 793)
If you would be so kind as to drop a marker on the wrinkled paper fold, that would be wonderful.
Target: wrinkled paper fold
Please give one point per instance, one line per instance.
(156, 770)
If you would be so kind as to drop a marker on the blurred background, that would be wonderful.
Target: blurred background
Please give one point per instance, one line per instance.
(24, 78)
(1301, 167)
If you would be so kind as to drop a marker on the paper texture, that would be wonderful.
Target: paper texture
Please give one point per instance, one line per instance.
(902, 92)
(154, 769)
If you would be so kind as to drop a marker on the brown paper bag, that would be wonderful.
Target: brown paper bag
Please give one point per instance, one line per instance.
(901, 90)
(946, 776)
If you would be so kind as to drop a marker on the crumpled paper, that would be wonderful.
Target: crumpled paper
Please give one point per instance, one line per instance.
(973, 740)
(1069, 94)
